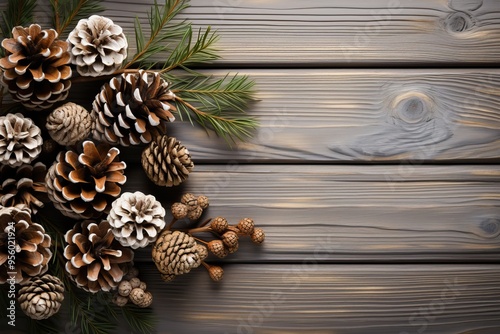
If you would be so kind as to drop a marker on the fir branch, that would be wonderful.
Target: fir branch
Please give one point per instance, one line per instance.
(18, 13)
(67, 12)
(139, 320)
(162, 31)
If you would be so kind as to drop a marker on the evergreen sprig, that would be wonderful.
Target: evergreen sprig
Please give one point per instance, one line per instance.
(66, 13)
(17, 13)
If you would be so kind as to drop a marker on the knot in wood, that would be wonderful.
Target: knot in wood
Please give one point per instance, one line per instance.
(412, 108)
(459, 22)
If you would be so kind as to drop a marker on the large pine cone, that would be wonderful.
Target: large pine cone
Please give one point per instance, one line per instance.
(30, 254)
(96, 261)
(84, 185)
(24, 185)
(130, 107)
(175, 253)
(41, 297)
(136, 219)
(35, 67)
(98, 46)
(166, 162)
(69, 124)
(20, 140)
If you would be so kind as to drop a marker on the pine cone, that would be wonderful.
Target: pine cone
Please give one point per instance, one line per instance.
(69, 124)
(20, 140)
(166, 162)
(140, 297)
(258, 236)
(190, 200)
(179, 210)
(202, 251)
(216, 273)
(130, 107)
(218, 248)
(41, 297)
(136, 219)
(219, 224)
(246, 226)
(230, 239)
(98, 46)
(203, 201)
(84, 185)
(96, 261)
(24, 185)
(32, 245)
(175, 253)
(35, 67)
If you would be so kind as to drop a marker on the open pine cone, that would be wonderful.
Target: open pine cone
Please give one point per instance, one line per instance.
(84, 185)
(24, 185)
(31, 245)
(69, 124)
(35, 67)
(175, 253)
(166, 162)
(130, 107)
(20, 140)
(136, 219)
(41, 297)
(96, 261)
(98, 46)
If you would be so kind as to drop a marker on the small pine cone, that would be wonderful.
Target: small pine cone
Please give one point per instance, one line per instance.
(98, 46)
(136, 219)
(175, 253)
(143, 285)
(203, 201)
(230, 239)
(219, 224)
(216, 273)
(168, 277)
(69, 124)
(166, 162)
(202, 251)
(24, 185)
(20, 140)
(119, 300)
(124, 288)
(96, 261)
(140, 297)
(32, 245)
(41, 297)
(195, 214)
(84, 185)
(179, 210)
(35, 67)
(246, 226)
(217, 248)
(190, 200)
(258, 236)
(130, 107)
(135, 282)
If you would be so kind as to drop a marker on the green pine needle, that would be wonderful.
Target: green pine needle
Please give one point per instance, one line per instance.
(66, 13)
(17, 13)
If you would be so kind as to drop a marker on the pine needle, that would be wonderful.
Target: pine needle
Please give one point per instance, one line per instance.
(66, 13)
(17, 13)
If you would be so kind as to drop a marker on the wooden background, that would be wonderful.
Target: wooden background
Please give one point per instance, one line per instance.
(375, 171)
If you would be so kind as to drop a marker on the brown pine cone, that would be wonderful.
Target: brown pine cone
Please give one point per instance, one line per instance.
(69, 124)
(175, 253)
(98, 46)
(219, 224)
(195, 214)
(190, 200)
(20, 140)
(230, 239)
(140, 297)
(24, 185)
(258, 236)
(166, 162)
(203, 201)
(179, 210)
(246, 226)
(216, 273)
(96, 261)
(217, 248)
(35, 66)
(84, 185)
(131, 107)
(41, 297)
(168, 277)
(202, 251)
(32, 251)
(136, 219)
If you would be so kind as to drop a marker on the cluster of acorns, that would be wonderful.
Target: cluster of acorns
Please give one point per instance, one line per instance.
(177, 252)
(132, 289)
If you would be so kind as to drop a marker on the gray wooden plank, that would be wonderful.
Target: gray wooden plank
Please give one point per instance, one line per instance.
(350, 213)
(342, 32)
(340, 299)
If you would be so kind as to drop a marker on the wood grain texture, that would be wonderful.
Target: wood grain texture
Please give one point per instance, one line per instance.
(364, 115)
(340, 299)
(351, 213)
(344, 32)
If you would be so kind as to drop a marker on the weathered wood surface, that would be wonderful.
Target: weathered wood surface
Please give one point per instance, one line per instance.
(353, 213)
(324, 299)
(343, 32)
